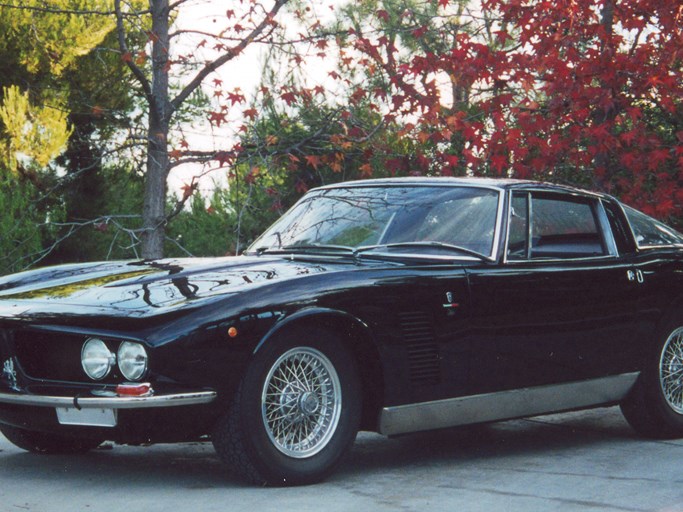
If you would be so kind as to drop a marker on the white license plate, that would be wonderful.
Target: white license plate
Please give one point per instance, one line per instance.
(86, 417)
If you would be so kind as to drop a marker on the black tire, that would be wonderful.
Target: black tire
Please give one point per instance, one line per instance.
(322, 405)
(46, 443)
(654, 408)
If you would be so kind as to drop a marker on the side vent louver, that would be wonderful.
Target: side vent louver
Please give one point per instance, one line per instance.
(423, 352)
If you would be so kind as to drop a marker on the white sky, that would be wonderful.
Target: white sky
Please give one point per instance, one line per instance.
(243, 72)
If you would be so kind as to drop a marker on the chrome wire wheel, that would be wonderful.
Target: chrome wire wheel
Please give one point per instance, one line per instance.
(671, 370)
(301, 402)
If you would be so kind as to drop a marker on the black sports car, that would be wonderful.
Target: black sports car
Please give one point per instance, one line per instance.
(390, 305)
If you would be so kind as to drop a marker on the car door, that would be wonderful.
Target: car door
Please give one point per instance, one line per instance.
(560, 306)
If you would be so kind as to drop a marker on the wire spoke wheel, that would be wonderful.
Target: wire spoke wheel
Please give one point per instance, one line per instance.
(296, 412)
(671, 370)
(301, 402)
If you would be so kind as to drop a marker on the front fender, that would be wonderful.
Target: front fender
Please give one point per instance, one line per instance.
(310, 314)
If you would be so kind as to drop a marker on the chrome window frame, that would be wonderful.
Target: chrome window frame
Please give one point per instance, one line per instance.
(602, 223)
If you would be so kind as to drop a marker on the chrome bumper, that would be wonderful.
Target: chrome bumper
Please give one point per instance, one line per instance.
(110, 402)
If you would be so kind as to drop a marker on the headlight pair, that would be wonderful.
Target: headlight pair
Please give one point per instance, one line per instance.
(97, 360)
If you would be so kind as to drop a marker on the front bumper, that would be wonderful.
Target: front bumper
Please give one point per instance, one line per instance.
(168, 415)
(110, 402)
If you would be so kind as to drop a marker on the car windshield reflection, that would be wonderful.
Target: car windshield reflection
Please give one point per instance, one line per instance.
(455, 220)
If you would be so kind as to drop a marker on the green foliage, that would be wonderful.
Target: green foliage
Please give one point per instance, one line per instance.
(108, 231)
(51, 59)
(50, 42)
(27, 224)
(32, 132)
(65, 96)
(204, 229)
(231, 218)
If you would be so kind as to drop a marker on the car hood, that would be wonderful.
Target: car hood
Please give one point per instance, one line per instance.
(141, 285)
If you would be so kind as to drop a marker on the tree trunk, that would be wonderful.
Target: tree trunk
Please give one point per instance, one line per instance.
(154, 208)
(160, 111)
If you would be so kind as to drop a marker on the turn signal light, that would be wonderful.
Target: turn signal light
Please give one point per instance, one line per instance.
(134, 389)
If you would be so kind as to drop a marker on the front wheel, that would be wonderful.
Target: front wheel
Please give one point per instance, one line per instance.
(44, 442)
(296, 412)
(654, 407)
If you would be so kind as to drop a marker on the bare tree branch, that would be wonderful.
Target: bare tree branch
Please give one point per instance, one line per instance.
(228, 56)
(125, 54)
(263, 39)
(177, 4)
(72, 228)
(178, 244)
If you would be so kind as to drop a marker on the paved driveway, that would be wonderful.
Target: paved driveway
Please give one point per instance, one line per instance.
(585, 461)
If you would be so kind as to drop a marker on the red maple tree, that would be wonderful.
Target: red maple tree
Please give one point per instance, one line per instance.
(577, 91)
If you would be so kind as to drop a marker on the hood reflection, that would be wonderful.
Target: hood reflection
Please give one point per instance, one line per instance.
(156, 284)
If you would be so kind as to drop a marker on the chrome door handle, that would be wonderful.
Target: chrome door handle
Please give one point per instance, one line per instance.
(635, 275)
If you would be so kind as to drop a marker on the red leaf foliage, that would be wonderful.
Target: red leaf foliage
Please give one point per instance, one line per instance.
(565, 90)
(217, 118)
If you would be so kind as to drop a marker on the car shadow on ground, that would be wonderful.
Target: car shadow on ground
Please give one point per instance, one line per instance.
(187, 464)
(497, 442)
(195, 466)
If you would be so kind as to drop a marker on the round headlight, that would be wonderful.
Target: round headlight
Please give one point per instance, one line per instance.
(132, 359)
(96, 359)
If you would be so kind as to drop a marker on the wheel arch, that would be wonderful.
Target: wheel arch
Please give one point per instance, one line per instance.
(357, 337)
(659, 304)
(672, 312)
(669, 314)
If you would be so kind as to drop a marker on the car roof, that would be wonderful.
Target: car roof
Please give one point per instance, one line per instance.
(493, 183)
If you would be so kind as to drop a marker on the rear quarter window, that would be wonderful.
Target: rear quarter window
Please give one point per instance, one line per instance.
(650, 232)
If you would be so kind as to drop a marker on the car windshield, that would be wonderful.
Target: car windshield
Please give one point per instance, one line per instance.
(400, 219)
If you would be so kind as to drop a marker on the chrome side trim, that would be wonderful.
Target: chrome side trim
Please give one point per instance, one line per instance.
(107, 402)
(497, 230)
(503, 405)
(606, 230)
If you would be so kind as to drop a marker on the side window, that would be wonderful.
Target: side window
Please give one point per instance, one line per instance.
(562, 227)
(649, 232)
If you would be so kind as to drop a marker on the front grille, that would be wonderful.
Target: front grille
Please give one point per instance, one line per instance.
(50, 355)
(423, 350)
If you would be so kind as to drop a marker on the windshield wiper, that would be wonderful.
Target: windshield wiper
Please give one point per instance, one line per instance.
(305, 248)
(428, 244)
(317, 247)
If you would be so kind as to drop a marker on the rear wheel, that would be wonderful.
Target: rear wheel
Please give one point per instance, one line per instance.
(654, 407)
(43, 442)
(296, 412)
